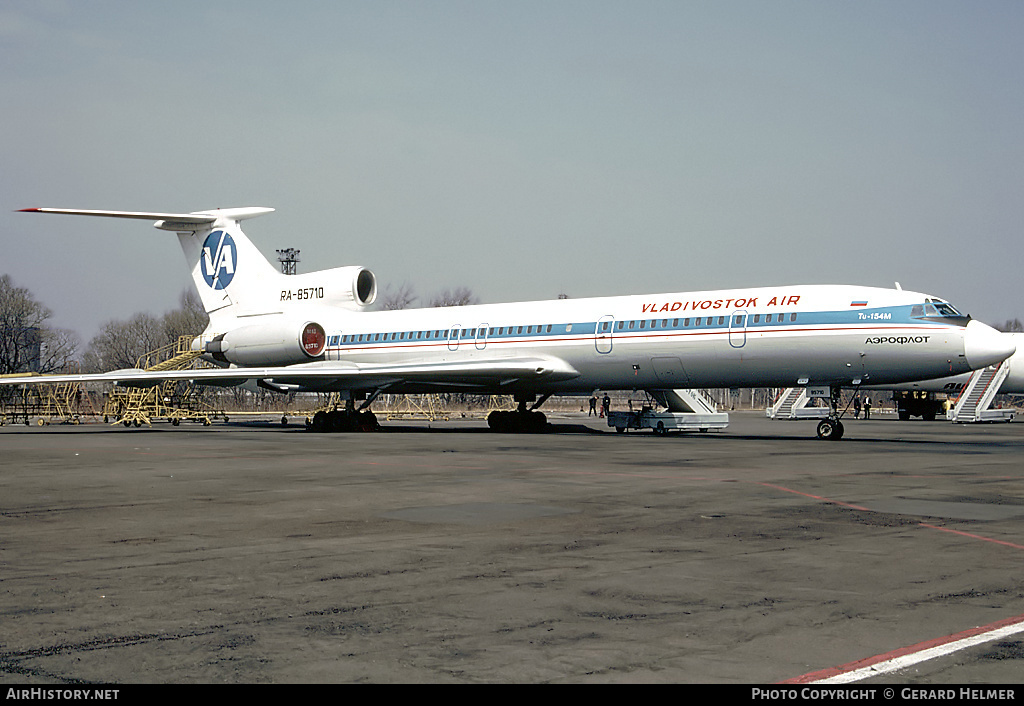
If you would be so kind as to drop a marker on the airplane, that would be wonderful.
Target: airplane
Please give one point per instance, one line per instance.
(930, 407)
(315, 332)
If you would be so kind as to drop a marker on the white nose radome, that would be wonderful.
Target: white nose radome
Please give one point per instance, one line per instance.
(983, 345)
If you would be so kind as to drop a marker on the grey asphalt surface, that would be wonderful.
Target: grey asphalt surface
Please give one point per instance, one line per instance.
(441, 552)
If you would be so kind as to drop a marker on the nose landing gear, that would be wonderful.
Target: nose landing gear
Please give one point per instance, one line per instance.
(831, 428)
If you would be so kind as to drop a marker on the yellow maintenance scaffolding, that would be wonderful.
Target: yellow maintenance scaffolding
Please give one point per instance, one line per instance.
(173, 400)
(61, 402)
(413, 407)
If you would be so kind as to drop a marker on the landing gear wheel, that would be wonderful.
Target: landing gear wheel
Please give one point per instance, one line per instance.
(339, 421)
(517, 422)
(319, 422)
(831, 429)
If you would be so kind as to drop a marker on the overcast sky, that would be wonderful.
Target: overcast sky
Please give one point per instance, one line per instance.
(520, 148)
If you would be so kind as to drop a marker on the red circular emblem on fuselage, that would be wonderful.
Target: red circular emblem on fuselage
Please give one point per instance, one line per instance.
(314, 340)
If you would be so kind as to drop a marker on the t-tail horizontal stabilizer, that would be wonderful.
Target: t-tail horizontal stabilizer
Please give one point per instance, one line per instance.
(226, 267)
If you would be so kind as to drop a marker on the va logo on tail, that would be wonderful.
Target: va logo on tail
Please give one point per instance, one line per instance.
(218, 259)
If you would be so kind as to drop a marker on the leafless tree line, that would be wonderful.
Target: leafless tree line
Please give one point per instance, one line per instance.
(29, 343)
(403, 296)
(120, 344)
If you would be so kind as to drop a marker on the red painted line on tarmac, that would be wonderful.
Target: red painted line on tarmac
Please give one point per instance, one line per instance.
(902, 652)
(973, 536)
(809, 495)
(912, 649)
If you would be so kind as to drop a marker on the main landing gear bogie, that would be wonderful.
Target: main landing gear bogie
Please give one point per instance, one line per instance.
(341, 420)
(523, 420)
(517, 422)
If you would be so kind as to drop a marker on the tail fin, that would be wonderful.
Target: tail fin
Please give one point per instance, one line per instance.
(227, 269)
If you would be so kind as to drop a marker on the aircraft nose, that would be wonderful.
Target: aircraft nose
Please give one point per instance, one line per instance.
(983, 345)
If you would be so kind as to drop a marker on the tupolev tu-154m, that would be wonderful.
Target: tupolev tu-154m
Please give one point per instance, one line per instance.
(315, 332)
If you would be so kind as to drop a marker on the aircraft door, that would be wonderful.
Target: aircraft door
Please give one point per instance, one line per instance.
(453, 337)
(738, 328)
(603, 334)
(481, 337)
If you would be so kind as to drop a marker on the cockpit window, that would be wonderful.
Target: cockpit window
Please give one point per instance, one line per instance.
(943, 308)
(938, 310)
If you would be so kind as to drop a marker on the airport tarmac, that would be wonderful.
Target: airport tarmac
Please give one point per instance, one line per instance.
(442, 552)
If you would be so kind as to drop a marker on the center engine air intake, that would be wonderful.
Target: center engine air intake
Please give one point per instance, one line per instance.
(280, 343)
(351, 287)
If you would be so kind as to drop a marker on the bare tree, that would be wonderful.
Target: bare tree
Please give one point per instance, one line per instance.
(190, 319)
(27, 343)
(58, 349)
(120, 344)
(400, 297)
(1012, 326)
(459, 296)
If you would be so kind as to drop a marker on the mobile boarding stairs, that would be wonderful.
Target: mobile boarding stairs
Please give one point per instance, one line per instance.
(975, 400)
(792, 404)
(686, 410)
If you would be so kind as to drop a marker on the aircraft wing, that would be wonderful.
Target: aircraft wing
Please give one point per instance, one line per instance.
(329, 375)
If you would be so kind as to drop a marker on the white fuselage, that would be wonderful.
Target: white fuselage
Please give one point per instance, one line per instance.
(779, 336)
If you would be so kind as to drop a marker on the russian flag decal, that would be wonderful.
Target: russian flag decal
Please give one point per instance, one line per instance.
(859, 303)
